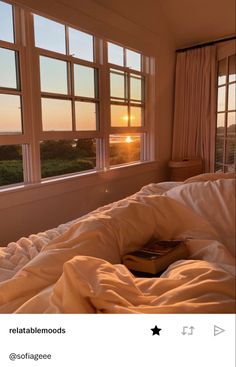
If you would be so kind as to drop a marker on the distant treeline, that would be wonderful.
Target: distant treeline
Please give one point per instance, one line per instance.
(63, 157)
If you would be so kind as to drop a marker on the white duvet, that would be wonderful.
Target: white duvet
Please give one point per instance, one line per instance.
(76, 268)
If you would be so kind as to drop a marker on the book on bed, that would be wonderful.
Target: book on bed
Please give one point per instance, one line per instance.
(155, 256)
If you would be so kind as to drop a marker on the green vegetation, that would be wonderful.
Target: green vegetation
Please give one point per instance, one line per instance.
(70, 156)
(56, 167)
(11, 168)
(63, 157)
(67, 156)
(11, 172)
(10, 152)
(68, 149)
(57, 158)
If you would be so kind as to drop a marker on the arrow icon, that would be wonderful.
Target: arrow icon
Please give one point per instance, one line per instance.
(218, 330)
(191, 330)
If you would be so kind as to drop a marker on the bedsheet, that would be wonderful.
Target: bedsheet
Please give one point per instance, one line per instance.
(16, 254)
(79, 270)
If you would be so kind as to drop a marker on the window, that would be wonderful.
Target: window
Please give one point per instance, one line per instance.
(81, 45)
(13, 140)
(11, 165)
(226, 113)
(67, 156)
(124, 149)
(49, 35)
(6, 21)
(127, 105)
(74, 103)
(69, 98)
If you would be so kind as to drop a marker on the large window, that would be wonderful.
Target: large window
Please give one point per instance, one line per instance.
(69, 98)
(72, 103)
(127, 105)
(13, 140)
(226, 113)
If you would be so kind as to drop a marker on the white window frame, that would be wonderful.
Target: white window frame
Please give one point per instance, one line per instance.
(224, 52)
(24, 138)
(144, 130)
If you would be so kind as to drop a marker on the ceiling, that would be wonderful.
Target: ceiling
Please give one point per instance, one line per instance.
(188, 21)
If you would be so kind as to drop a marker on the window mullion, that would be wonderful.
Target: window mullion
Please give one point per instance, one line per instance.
(73, 114)
(226, 113)
(22, 89)
(67, 40)
(104, 96)
(128, 81)
(32, 100)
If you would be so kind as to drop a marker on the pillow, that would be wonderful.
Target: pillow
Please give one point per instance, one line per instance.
(214, 201)
(210, 177)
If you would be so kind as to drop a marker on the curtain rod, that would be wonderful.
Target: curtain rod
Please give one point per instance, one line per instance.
(206, 44)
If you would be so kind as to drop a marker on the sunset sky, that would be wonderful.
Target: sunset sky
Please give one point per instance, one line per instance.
(6, 21)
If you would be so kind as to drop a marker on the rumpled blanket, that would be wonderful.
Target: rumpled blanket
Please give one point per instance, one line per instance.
(80, 270)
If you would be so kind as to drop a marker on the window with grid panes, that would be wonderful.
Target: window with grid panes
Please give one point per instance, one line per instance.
(13, 140)
(69, 98)
(53, 120)
(127, 101)
(226, 112)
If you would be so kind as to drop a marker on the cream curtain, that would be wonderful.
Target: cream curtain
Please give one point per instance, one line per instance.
(195, 105)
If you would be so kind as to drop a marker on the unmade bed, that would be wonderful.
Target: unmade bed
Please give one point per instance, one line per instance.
(76, 267)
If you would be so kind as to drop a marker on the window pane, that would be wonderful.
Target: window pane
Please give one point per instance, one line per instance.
(6, 23)
(218, 167)
(60, 157)
(230, 151)
(232, 68)
(222, 69)
(119, 116)
(53, 75)
(115, 54)
(220, 128)
(221, 99)
(49, 35)
(56, 114)
(11, 167)
(10, 114)
(221, 120)
(85, 113)
(81, 44)
(232, 96)
(136, 88)
(230, 168)
(135, 116)
(124, 149)
(8, 77)
(84, 81)
(219, 149)
(230, 143)
(117, 85)
(231, 125)
(133, 60)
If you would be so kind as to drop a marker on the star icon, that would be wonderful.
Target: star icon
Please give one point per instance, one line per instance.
(156, 330)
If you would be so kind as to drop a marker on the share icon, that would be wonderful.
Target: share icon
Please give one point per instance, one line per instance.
(218, 330)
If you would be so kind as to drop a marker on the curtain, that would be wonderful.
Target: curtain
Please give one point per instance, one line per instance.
(195, 106)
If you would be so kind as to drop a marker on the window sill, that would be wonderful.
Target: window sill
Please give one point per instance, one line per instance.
(21, 194)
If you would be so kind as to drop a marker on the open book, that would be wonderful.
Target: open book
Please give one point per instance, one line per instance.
(156, 256)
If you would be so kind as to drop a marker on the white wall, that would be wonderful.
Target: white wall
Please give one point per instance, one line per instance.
(44, 206)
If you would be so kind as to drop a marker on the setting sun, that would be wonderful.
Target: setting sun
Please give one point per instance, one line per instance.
(128, 139)
(126, 118)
